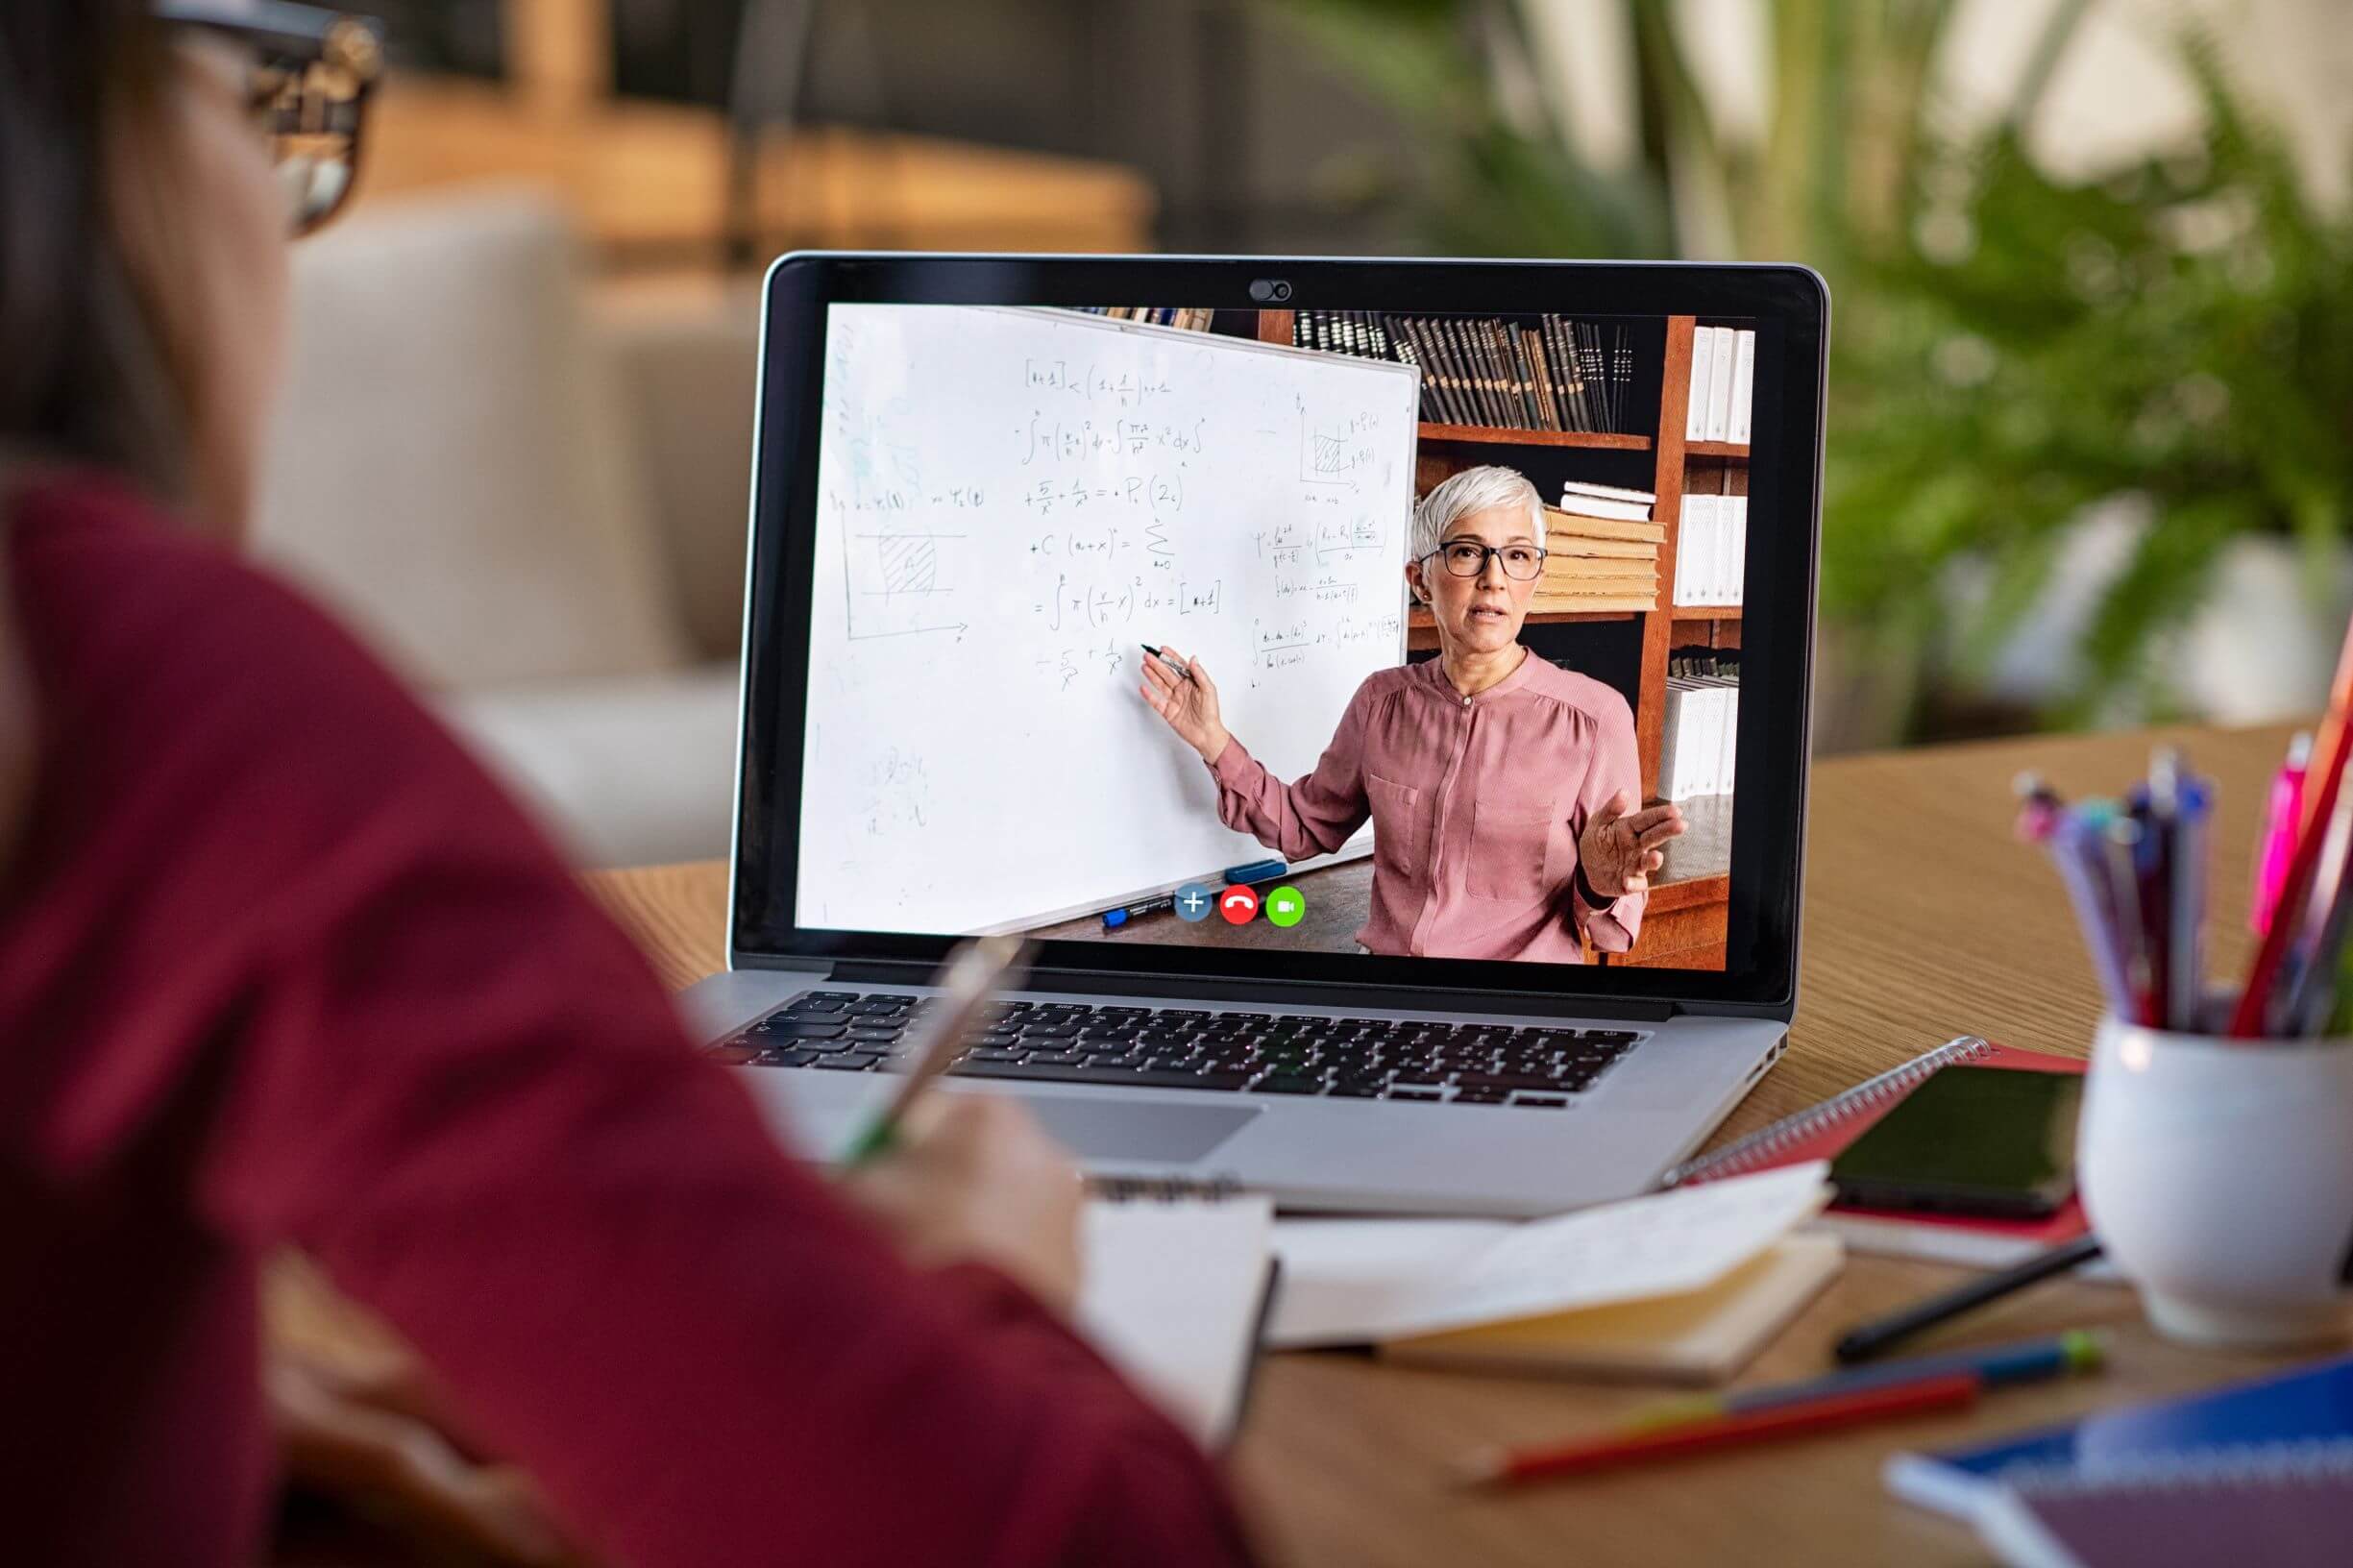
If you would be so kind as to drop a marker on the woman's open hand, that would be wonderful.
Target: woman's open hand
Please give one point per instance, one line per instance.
(1187, 701)
(1620, 845)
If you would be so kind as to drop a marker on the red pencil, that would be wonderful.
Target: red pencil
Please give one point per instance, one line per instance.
(1497, 1467)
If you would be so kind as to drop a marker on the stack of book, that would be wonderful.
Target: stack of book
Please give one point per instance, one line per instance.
(1698, 737)
(1711, 549)
(1722, 384)
(1533, 372)
(1602, 550)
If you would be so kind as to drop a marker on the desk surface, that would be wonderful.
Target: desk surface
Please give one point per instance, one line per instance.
(1923, 919)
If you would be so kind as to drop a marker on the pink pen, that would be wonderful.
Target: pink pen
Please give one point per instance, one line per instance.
(2279, 834)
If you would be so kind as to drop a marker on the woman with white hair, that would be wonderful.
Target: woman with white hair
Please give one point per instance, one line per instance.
(1503, 790)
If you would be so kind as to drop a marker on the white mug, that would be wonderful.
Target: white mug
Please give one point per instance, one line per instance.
(2218, 1176)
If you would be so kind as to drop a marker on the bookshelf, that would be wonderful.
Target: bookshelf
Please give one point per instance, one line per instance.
(1493, 435)
(1684, 924)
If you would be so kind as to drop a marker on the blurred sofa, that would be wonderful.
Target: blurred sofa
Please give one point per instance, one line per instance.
(530, 495)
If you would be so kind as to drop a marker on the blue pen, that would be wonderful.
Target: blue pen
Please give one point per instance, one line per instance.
(2034, 1360)
(2078, 848)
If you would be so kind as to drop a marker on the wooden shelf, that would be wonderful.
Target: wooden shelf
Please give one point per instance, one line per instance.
(1502, 435)
(1708, 612)
(1421, 632)
(1717, 448)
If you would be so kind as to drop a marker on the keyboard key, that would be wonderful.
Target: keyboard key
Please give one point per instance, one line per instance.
(993, 1053)
(1549, 1102)
(1127, 1077)
(786, 1057)
(1502, 1083)
(1356, 1092)
(773, 1028)
(830, 996)
(847, 1061)
(1055, 1059)
(1401, 1092)
(1284, 1084)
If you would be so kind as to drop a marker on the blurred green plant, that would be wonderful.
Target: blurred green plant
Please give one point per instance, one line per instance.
(2008, 347)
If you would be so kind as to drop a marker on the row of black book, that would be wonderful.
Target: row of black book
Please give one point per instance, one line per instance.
(1558, 375)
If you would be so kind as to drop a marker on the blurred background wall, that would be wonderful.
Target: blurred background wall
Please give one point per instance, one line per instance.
(2092, 436)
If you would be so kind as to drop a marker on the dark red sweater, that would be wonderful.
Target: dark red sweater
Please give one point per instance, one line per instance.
(277, 963)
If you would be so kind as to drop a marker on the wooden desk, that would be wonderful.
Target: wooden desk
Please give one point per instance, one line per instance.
(1923, 919)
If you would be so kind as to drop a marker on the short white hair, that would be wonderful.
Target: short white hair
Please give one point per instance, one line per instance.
(1484, 489)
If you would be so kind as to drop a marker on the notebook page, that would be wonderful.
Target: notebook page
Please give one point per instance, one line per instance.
(1172, 1294)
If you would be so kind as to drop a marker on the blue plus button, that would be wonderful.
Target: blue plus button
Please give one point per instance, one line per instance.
(1194, 901)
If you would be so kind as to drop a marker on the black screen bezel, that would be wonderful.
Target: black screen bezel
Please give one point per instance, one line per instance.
(1790, 308)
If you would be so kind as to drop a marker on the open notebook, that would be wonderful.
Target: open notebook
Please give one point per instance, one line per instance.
(1177, 1287)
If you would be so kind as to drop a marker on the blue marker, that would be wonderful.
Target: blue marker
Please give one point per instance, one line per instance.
(1258, 871)
(1115, 918)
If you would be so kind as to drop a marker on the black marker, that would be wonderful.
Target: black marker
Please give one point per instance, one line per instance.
(1167, 660)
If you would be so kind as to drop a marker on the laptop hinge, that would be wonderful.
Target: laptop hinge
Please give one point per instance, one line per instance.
(1296, 992)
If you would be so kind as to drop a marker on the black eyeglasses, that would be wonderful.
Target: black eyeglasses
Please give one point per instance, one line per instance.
(312, 71)
(1468, 558)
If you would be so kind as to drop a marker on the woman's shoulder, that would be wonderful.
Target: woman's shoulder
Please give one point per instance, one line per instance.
(115, 591)
(1595, 700)
(160, 660)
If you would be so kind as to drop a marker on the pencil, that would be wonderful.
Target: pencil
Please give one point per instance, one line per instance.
(971, 973)
(1501, 1468)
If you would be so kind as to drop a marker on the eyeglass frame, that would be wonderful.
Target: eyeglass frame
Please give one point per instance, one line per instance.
(1488, 552)
(295, 39)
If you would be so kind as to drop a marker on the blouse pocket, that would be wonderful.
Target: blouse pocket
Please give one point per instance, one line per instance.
(1397, 826)
(1509, 844)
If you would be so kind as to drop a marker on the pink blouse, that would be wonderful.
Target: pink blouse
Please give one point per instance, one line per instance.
(1476, 802)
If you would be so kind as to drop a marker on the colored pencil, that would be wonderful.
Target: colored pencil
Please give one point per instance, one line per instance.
(1497, 1467)
(2330, 748)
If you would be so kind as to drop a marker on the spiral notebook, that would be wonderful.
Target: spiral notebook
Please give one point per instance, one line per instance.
(1179, 1279)
(2288, 1505)
(1821, 1132)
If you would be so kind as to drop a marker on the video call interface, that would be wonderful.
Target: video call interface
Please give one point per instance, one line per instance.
(1313, 631)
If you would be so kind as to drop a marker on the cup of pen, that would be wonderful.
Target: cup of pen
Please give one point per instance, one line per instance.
(2218, 1173)
(2215, 1155)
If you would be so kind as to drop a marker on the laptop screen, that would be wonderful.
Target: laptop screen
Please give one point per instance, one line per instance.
(1408, 635)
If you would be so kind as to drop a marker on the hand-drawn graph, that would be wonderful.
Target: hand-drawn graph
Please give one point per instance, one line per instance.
(1340, 451)
(899, 584)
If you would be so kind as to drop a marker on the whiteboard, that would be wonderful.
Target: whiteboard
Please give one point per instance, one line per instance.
(1010, 503)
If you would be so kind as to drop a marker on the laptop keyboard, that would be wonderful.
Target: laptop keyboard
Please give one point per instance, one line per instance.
(1187, 1048)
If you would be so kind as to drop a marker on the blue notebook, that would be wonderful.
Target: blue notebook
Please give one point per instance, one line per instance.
(2301, 1408)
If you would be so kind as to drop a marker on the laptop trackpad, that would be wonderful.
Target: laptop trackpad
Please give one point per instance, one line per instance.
(1103, 1128)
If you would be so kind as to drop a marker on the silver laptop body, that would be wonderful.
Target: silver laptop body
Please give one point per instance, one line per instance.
(1663, 1063)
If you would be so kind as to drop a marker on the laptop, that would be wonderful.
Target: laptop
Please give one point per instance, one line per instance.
(1335, 935)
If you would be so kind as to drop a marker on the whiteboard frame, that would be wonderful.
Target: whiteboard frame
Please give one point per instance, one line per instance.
(1359, 843)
